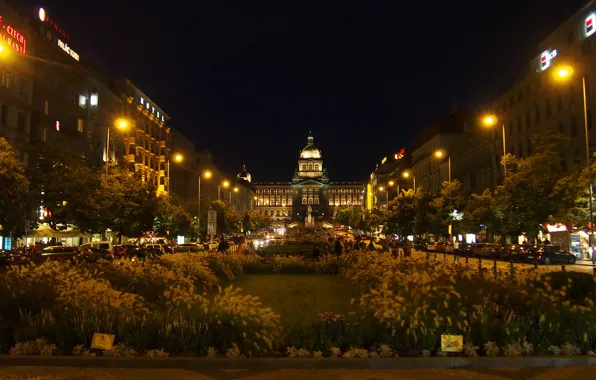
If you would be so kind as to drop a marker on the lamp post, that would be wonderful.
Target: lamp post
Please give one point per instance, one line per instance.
(490, 121)
(381, 189)
(235, 191)
(440, 154)
(178, 158)
(122, 124)
(564, 73)
(407, 175)
(225, 185)
(207, 175)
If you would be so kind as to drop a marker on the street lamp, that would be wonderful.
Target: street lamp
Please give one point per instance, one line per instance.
(440, 154)
(225, 185)
(178, 158)
(563, 74)
(122, 124)
(207, 175)
(407, 175)
(236, 189)
(490, 121)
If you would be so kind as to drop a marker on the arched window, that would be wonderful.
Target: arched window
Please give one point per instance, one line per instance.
(303, 167)
(316, 167)
(303, 200)
(309, 167)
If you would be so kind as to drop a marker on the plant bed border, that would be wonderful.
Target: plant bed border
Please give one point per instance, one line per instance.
(196, 363)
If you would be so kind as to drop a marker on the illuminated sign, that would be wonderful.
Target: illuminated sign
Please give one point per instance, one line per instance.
(151, 108)
(43, 16)
(399, 155)
(68, 50)
(556, 227)
(589, 26)
(13, 38)
(383, 160)
(546, 57)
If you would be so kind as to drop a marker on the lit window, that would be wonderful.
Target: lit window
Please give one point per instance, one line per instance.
(142, 101)
(82, 101)
(57, 125)
(80, 125)
(158, 114)
(152, 109)
(46, 108)
(93, 100)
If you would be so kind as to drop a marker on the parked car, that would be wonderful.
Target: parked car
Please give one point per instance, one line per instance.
(515, 252)
(463, 249)
(93, 255)
(8, 258)
(100, 244)
(551, 254)
(60, 253)
(486, 250)
(142, 253)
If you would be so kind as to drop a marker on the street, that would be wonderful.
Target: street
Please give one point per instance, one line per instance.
(71, 373)
(488, 264)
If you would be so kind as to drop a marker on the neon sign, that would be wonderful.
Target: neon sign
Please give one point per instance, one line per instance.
(545, 59)
(145, 103)
(399, 155)
(43, 16)
(68, 50)
(589, 27)
(13, 38)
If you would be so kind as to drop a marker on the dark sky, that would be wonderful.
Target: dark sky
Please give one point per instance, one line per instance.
(248, 79)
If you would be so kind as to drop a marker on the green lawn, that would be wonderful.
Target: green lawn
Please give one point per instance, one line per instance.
(299, 298)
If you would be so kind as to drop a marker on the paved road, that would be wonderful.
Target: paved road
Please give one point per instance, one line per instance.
(488, 264)
(73, 373)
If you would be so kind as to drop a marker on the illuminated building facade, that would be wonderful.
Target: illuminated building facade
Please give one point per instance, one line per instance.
(16, 82)
(309, 189)
(146, 143)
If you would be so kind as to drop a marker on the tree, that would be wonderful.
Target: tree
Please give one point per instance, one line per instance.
(401, 218)
(450, 199)
(67, 187)
(16, 210)
(371, 220)
(255, 221)
(482, 212)
(573, 199)
(171, 218)
(228, 221)
(129, 202)
(527, 194)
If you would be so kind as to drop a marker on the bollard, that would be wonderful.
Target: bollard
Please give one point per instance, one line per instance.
(436, 259)
(495, 268)
(563, 268)
(535, 264)
(427, 256)
(455, 261)
(467, 260)
(512, 269)
(480, 263)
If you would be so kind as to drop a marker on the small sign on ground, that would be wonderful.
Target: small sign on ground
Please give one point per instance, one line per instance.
(102, 341)
(452, 343)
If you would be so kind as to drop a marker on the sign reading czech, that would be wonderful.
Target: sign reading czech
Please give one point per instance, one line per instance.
(13, 38)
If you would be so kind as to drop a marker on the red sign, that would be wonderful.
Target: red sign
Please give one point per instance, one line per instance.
(43, 16)
(13, 38)
(399, 155)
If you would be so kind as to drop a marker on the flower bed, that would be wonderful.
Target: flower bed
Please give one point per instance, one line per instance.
(166, 306)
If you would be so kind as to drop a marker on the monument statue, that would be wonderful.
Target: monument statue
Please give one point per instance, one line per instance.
(308, 221)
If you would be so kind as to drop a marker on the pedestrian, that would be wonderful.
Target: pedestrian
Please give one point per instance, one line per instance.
(316, 252)
(338, 247)
(407, 248)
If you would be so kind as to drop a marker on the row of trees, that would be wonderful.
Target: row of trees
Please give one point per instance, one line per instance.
(60, 188)
(537, 189)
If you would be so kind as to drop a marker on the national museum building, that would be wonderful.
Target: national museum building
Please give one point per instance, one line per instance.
(310, 197)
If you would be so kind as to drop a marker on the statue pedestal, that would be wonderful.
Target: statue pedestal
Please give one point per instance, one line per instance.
(308, 222)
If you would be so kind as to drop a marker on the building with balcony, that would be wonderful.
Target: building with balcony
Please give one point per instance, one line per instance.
(145, 141)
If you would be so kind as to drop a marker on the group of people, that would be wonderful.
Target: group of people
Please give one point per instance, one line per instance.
(344, 246)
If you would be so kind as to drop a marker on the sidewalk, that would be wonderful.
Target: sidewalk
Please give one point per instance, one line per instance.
(584, 262)
(71, 373)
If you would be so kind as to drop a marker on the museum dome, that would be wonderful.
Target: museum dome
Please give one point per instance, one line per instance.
(244, 174)
(310, 150)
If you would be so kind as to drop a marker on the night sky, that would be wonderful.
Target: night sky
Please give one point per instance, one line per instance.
(248, 79)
